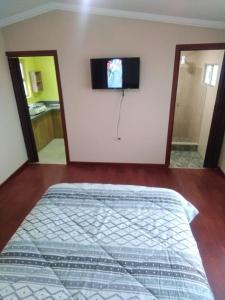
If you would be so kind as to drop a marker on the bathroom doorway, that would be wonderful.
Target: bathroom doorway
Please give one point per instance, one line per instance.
(36, 83)
(198, 89)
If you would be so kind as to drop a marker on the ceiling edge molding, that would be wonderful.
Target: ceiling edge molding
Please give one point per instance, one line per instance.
(28, 14)
(51, 6)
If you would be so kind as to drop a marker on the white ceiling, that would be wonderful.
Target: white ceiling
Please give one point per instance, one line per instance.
(207, 10)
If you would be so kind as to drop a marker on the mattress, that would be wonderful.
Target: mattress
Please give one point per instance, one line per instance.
(114, 242)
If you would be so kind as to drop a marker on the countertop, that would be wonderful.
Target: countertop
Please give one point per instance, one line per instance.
(50, 107)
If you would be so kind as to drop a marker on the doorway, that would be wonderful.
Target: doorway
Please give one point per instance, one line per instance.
(36, 83)
(198, 89)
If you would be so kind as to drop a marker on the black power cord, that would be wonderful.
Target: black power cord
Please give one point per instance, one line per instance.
(119, 116)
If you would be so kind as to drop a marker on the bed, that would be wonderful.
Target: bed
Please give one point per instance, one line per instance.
(114, 242)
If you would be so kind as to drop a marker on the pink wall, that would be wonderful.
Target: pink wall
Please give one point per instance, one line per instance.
(91, 115)
(12, 149)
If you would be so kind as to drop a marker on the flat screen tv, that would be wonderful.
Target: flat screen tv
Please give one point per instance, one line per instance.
(115, 73)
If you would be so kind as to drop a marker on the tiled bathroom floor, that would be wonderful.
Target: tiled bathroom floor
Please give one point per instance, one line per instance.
(186, 159)
(53, 153)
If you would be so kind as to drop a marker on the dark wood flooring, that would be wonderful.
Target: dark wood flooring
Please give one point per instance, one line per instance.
(204, 188)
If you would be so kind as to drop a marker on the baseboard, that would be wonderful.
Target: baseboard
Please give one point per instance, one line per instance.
(221, 171)
(19, 170)
(81, 163)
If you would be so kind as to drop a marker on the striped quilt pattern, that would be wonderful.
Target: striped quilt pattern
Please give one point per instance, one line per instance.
(98, 242)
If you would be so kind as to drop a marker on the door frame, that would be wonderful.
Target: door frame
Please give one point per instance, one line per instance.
(217, 129)
(29, 133)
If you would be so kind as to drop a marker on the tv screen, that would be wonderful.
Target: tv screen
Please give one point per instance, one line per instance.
(115, 73)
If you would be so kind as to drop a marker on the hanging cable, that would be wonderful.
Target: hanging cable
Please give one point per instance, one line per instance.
(119, 116)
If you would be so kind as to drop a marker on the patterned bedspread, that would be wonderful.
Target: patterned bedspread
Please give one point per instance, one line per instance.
(95, 242)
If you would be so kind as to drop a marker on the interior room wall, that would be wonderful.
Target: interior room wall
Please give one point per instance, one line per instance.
(91, 116)
(12, 148)
(46, 65)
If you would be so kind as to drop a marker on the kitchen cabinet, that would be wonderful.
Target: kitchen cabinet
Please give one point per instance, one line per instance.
(46, 127)
(57, 124)
(43, 130)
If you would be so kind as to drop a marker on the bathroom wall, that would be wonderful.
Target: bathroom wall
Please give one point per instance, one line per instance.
(190, 100)
(180, 130)
(47, 68)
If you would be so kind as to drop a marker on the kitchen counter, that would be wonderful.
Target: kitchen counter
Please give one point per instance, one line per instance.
(50, 107)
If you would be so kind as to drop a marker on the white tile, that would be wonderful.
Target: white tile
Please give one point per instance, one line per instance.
(53, 153)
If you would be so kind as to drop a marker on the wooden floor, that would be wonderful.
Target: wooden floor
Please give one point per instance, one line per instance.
(204, 188)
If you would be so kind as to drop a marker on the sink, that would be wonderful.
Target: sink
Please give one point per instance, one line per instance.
(36, 108)
(53, 105)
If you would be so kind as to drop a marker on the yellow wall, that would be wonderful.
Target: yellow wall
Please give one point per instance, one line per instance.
(44, 64)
